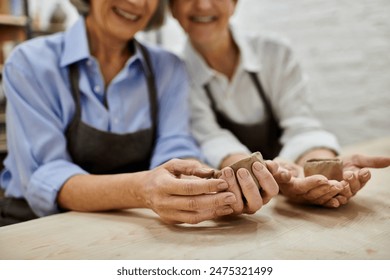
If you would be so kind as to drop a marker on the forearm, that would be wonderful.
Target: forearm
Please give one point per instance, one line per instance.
(102, 192)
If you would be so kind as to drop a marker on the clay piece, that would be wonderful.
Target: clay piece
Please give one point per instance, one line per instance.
(331, 168)
(247, 164)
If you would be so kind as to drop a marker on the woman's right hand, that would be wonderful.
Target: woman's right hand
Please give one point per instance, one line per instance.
(176, 198)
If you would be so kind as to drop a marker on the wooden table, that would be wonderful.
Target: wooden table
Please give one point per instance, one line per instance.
(360, 230)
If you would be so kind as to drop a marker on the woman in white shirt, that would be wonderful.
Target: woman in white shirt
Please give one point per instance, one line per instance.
(248, 94)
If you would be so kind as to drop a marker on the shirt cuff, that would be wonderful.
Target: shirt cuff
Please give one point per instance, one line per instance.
(302, 143)
(218, 148)
(45, 184)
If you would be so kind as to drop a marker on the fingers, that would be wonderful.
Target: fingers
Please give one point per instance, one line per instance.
(301, 186)
(267, 182)
(369, 161)
(324, 193)
(188, 167)
(250, 191)
(244, 186)
(293, 168)
(281, 175)
(332, 203)
(194, 186)
(364, 175)
(228, 175)
(174, 216)
(197, 202)
(357, 180)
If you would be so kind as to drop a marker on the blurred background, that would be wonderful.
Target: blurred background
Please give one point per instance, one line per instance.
(343, 45)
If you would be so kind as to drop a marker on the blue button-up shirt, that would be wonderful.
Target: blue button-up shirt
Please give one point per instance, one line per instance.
(40, 107)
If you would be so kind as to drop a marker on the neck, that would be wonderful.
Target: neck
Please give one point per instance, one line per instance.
(112, 53)
(221, 55)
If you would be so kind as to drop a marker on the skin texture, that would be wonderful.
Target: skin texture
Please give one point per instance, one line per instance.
(206, 23)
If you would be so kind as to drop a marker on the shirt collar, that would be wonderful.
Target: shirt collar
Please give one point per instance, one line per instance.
(249, 53)
(197, 67)
(76, 45)
(201, 73)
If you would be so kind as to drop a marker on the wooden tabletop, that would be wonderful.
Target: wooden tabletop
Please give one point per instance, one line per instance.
(360, 230)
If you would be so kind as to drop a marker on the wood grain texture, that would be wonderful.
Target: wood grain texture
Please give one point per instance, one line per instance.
(360, 230)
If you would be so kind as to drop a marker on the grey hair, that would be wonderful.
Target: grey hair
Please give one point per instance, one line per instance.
(156, 21)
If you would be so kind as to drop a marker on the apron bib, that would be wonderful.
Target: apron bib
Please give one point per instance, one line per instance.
(263, 136)
(102, 152)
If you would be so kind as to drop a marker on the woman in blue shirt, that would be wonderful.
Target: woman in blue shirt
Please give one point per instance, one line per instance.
(89, 109)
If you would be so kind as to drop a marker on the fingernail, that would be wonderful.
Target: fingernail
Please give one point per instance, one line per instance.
(350, 177)
(243, 173)
(230, 199)
(228, 173)
(258, 166)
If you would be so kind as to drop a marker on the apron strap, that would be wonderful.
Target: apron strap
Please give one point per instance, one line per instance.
(74, 89)
(152, 91)
(260, 90)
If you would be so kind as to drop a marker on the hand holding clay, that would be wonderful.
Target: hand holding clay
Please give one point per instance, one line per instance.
(330, 182)
(315, 189)
(245, 178)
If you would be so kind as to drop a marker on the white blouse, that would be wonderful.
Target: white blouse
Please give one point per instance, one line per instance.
(284, 84)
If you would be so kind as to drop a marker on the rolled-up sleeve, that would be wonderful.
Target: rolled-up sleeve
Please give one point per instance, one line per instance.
(45, 184)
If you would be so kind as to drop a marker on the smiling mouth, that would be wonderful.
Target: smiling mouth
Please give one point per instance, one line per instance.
(203, 19)
(126, 15)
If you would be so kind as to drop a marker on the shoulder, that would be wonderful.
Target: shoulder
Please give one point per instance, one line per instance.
(164, 62)
(261, 41)
(37, 53)
(160, 54)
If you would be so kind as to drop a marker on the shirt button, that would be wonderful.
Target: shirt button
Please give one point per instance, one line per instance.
(89, 62)
(96, 89)
(116, 120)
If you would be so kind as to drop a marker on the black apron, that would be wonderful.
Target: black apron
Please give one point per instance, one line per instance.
(96, 151)
(263, 136)
(102, 152)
